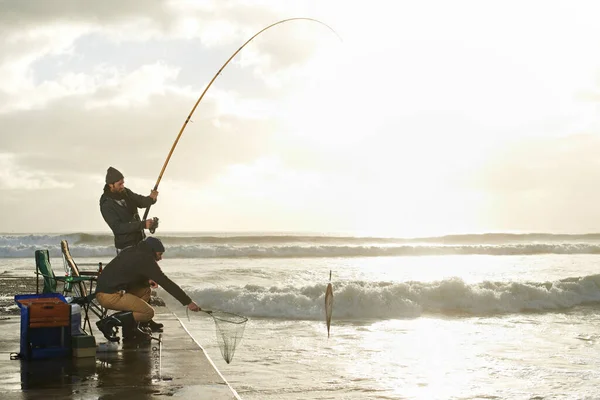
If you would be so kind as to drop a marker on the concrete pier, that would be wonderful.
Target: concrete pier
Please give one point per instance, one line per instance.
(178, 368)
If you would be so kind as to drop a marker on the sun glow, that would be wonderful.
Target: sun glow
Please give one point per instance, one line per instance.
(402, 127)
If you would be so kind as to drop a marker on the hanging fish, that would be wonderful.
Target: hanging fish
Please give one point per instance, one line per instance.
(328, 304)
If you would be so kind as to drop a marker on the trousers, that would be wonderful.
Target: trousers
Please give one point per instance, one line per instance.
(135, 300)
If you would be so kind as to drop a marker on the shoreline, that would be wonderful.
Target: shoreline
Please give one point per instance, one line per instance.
(10, 286)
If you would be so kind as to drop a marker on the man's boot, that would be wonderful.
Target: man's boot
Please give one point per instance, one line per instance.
(108, 327)
(153, 326)
(131, 329)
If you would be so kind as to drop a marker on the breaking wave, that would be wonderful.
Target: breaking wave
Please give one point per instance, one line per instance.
(384, 300)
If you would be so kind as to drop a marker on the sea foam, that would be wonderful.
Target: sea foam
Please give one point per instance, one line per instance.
(385, 300)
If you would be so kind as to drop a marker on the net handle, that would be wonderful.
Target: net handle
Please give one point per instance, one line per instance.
(217, 319)
(187, 313)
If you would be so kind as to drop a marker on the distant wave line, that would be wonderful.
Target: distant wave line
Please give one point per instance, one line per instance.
(224, 238)
(312, 251)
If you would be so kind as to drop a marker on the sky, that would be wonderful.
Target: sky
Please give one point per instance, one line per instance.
(425, 118)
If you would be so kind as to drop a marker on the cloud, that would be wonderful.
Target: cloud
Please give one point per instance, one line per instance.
(14, 177)
(33, 32)
(22, 15)
(133, 89)
(435, 114)
(68, 135)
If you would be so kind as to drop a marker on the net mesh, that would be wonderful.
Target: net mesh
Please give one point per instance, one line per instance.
(230, 329)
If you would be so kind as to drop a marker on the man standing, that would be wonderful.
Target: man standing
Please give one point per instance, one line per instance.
(119, 207)
(118, 289)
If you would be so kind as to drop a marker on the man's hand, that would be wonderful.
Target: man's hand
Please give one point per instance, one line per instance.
(154, 194)
(148, 223)
(153, 284)
(193, 307)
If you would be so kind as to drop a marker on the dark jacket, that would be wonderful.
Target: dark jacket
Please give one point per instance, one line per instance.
(132, 266)
(119, 210)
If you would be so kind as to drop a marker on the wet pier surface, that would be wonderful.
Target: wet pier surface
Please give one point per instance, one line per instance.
(177, 366)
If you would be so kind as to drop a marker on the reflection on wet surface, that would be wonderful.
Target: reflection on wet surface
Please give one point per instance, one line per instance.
(133, 368)
(178, 367)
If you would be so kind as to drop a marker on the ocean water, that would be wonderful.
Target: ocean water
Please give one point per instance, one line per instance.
(456, 317)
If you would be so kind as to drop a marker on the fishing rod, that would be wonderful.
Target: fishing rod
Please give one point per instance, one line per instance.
(162, 171)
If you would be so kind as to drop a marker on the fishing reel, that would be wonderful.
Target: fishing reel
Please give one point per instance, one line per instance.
(154, 225)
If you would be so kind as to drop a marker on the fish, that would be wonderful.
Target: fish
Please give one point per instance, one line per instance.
(328, 304)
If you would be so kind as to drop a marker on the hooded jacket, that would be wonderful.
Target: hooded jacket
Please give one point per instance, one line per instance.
(132, 266)
(119, 210)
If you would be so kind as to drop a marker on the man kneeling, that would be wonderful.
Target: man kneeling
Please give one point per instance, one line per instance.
(121, 286)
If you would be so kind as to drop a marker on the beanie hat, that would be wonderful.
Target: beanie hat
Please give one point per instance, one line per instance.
(155, 244)
(112, 175)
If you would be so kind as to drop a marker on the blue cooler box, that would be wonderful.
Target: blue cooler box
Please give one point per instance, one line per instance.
(45, 326)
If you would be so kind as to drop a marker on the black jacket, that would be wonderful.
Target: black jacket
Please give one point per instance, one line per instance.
(132, 266)
(119, 210)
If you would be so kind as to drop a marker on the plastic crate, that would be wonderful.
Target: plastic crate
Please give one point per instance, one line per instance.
(45, 326)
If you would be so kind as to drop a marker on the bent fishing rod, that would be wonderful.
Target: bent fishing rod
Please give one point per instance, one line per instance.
(206, 89)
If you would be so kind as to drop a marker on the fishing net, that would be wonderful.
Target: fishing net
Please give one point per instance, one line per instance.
(229, 330)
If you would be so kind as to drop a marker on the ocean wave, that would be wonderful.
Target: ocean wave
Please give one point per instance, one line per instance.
(321, 251)
(280, 251)
(384, 300)
(287, 246)
(326, 239)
